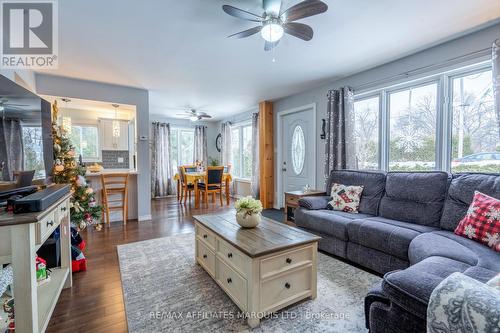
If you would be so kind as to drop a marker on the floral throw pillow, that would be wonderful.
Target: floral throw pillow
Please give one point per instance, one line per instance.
(482, 221)
(345, 198)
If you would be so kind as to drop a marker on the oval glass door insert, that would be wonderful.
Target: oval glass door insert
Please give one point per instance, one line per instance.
(298, 150)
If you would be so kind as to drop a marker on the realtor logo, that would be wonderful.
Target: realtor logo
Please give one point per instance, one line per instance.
(29, 34)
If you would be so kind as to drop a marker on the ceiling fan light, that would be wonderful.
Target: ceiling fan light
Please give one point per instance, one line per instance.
(193, 118)
(272, 32)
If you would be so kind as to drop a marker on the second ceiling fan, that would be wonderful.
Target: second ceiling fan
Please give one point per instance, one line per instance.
(274, 22)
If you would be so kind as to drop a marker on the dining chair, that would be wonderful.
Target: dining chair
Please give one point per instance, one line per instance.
(186, 188)
(212, 183)
(113, 185)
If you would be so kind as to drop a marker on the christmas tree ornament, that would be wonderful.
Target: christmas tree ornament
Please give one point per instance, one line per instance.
(89, 190)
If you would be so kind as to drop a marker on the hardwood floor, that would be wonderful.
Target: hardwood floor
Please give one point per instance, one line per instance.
(95, 303)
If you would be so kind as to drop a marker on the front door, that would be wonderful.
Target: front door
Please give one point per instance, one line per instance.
(298, 150)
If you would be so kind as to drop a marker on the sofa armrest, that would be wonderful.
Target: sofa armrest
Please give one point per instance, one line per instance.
(314, 203)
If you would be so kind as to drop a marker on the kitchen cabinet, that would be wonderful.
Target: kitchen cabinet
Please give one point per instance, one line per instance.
(110, 142)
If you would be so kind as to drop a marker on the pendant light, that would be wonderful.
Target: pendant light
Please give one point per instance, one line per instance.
(66, 120)
(116, 123)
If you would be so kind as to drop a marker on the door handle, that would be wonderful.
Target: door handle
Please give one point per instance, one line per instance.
(283, 169)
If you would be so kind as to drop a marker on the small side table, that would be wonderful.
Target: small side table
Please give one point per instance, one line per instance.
(292, 201)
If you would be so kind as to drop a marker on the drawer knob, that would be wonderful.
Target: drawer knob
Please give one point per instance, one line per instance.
(229, 280)
(204, 256)
(205, 236)
(287, 285)
(50, 223)
(288, 260)
(229, 255)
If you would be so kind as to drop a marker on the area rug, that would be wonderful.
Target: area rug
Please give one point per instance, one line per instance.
(166, 291)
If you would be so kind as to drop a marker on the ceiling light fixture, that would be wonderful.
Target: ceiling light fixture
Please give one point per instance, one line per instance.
(116, 123)
(66, 120)
(272, 31)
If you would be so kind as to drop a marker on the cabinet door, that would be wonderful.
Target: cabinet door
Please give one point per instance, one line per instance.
(122, 140)
(106, 129)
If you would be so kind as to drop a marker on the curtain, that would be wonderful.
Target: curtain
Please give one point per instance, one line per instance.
(225, 152)
(255, 156)
(161, 175)
(11, 148)
(496, 81)
(200, 144)
(340, 145)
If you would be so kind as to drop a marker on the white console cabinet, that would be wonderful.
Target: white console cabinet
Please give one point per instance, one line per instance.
(21, 235)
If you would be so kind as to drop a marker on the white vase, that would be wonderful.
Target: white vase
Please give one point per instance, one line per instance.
(247, 220)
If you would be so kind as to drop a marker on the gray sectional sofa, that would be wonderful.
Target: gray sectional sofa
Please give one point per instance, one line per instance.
(404, 230)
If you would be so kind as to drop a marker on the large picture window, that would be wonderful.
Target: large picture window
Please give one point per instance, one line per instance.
(241, 151)
(413, 129)
(182, 145)
(33, 150)
(85, 138)
(442, 122)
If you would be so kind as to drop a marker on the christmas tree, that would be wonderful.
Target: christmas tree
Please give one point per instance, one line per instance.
(84, 209)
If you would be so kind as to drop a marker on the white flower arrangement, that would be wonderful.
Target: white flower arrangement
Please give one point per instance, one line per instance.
(248, 205)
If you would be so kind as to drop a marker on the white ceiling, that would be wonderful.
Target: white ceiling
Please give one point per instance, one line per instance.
(178, 50)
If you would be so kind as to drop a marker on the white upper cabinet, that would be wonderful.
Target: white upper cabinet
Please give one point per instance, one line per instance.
(110, 141)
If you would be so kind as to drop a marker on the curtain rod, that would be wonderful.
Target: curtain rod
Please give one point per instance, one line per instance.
(424, 69)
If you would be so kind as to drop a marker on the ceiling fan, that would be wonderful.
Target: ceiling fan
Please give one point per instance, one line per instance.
(194, 115)
(274, 22)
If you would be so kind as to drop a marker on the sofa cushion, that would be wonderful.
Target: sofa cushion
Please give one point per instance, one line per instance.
(415, 197)
(461, 192)
(389, 236)
(328, 222)
(446, 244)
(373, 183)
(314, 202)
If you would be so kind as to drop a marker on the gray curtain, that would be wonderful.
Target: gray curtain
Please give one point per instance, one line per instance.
(255, 156)
(161, 174)
(225, 152)
(496, 81)
(339, 145)
(200, 144)
(11, 147)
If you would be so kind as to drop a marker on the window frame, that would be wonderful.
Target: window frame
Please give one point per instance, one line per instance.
(444, 109)
(239, 126)
(98, 158)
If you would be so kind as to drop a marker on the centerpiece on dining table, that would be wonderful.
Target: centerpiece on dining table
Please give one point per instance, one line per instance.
(248, 212)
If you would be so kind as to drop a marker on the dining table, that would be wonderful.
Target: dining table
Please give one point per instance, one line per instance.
(195, 177)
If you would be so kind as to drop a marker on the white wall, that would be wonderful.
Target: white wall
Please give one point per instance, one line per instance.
(96, 91)
(444, 55)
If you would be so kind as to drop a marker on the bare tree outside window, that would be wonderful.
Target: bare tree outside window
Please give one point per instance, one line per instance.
(366, 132)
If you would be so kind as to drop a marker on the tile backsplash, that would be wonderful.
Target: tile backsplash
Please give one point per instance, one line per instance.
(110, 159)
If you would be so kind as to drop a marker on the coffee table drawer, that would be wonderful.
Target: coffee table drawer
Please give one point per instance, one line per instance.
(286, 289)
(234, 257)
(206, 257)
(233, 283)
(206, 236)
(274, 265)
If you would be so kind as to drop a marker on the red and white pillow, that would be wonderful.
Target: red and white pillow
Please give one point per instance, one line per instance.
(345, 198)
(482, 221)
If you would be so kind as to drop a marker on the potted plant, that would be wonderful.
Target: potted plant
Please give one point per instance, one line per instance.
(248, 212)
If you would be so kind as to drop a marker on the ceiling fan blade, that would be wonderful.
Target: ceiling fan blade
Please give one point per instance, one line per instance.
(246, 33)
(304, 9)
(299, 30)
(204, 116)
(272, 7)
(9, 104)
(268, 46)
(241, 14)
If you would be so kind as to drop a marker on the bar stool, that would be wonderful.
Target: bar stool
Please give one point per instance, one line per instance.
(114, 184)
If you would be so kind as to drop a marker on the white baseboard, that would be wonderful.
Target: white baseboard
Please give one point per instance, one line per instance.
(144, 218)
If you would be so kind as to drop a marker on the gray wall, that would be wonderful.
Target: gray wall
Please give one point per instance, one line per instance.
(90, 90)
(444, 56)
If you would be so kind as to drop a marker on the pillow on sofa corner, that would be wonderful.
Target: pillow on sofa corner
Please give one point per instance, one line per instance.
(482, 221)
(345, 198)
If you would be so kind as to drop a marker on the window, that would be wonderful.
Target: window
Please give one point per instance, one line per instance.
(475, 129)
(412, 134)
(445, 122)
(298, 150)
(33, 150)
(241, 151)
(85, 138)
(182, 145)
(366, 121)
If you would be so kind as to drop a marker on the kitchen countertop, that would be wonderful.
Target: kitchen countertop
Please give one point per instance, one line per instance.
(106, 171)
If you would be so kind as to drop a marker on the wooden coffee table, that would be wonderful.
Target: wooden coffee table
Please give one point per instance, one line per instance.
(262, 269)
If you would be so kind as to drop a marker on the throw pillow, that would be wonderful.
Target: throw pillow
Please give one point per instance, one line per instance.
(345, 198)
(482, 221)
